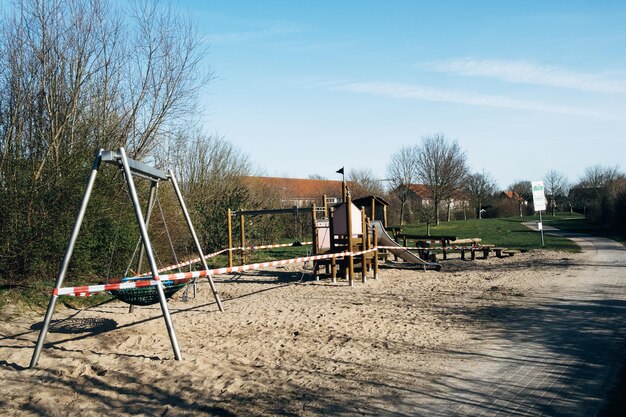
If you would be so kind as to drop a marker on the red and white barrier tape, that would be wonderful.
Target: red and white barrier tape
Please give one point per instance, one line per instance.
(219, 252)
(137, 283)
(87, 290)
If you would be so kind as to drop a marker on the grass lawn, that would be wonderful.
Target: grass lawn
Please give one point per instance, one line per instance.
(505, 232)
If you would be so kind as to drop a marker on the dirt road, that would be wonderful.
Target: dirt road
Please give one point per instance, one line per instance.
(557, 357)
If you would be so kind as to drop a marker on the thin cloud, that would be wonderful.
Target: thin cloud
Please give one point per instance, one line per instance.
(406, 91)
(271, 31)
(523, 72)
(300, 45)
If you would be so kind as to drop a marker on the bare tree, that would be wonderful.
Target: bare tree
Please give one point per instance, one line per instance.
(363, 183)
(165, 73)
(441, 166)
(402, 172)
(598, 176)
(209, 167)
(597, 191)
(480, 186)
(75, 76)
(556, 188)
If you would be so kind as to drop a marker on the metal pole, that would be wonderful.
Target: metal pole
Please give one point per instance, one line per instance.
(195, 237)
(153, 187)
(66, 258)
(149, 254)
(541, 223)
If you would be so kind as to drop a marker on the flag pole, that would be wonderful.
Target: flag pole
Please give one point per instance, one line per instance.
(343, 183)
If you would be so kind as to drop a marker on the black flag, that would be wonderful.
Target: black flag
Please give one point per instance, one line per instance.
(340, 171)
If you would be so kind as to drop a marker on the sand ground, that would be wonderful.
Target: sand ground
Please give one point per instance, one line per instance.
(286, 345)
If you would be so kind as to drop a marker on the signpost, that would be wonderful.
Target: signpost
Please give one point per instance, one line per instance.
(539, 201)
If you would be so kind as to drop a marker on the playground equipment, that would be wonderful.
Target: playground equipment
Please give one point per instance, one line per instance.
(346, 228)
(344, 239)
(139, 290)
(375, 208)
(400, 251)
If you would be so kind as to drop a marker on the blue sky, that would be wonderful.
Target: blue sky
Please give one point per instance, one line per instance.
(305, 87)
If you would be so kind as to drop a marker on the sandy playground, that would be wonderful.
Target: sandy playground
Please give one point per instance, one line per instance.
(286, 345)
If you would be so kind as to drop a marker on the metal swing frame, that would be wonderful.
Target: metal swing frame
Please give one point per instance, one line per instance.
(130, 168)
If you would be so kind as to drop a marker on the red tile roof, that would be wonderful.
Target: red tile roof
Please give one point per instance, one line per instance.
(420, 190)
(297, 188)
(513, 195)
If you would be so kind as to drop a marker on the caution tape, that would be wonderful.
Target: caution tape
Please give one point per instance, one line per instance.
(137, 282)
(219, 252)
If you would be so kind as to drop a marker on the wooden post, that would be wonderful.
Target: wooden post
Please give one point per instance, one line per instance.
(351, 271)
(314, 229)
(230, 239)
(373, 216)
(349, 231)
(333, 269)
(375, 238)
(243, 239)
(314, 240)
(363, 246)
(384, 216)
(325, 206)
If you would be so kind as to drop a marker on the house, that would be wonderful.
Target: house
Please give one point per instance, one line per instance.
(420, 197)
(512, 195)
(512, 199)
(420, 193)
(298, 192)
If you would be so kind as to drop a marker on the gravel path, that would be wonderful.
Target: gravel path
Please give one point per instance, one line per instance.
(558, 358)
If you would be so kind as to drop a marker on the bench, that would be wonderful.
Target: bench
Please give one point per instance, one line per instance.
(473, 249)
(502, 252)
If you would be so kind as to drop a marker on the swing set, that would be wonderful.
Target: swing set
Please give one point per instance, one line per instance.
(146, 289)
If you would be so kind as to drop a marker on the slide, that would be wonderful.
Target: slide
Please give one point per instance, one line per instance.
(385, 240)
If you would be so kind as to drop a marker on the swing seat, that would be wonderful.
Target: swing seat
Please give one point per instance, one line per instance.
(145, 296)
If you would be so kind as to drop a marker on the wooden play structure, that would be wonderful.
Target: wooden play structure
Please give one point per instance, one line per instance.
(375, 208)
(345, 230)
